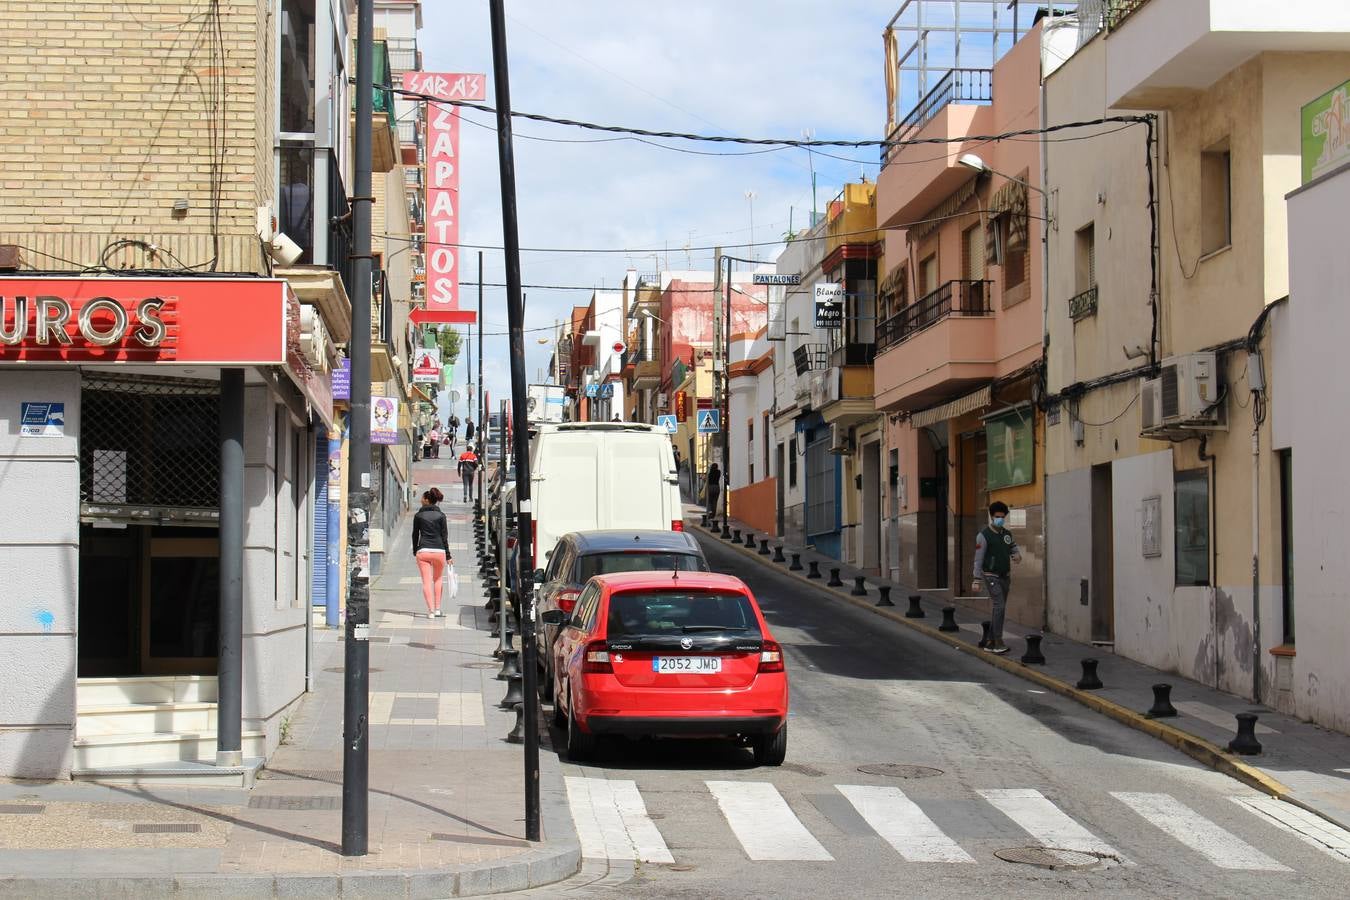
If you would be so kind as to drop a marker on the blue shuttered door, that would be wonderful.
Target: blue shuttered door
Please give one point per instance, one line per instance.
(319, 579)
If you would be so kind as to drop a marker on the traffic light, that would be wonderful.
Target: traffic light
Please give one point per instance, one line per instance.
(681, 406)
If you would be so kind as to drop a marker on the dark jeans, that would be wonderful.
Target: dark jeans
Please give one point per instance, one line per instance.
(468, 487)
(997, 586)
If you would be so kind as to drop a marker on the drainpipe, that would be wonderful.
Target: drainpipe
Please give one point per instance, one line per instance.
(1045, 354)
(1256, 563)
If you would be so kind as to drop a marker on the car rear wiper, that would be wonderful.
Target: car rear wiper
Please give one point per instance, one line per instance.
(689, 628)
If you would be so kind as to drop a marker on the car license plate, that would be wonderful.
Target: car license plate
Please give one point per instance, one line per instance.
(692, 664)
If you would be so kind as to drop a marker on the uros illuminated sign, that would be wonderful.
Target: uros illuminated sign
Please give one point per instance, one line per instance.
(100, 321)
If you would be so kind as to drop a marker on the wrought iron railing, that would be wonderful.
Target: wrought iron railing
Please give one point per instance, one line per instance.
(955, 298)
(1117, 11)
(1083, 304)
(340, 228)
(404, 55)
(956, 86)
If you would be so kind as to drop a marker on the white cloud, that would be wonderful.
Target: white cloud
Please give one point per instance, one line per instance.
(751, 67)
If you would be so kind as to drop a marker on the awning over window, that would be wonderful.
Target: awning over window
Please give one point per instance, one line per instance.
(953, 408)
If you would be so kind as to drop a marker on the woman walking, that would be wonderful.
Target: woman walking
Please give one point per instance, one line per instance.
(431, 547)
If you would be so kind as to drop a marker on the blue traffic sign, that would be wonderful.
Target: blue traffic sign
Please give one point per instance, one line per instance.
(709, 421)
(668, 423)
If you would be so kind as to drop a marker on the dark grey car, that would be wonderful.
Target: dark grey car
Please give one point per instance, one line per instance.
(580, 555)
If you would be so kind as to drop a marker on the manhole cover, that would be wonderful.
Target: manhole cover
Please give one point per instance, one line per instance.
(339, 669)
(897, 770)
(680, 868)
(481, 665)
(295, 803)
(1050, 858)
(802, 770)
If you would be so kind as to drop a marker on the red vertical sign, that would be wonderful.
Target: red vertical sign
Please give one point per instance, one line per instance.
(442, 190)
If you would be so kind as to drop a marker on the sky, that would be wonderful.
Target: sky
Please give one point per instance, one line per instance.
(734, 67)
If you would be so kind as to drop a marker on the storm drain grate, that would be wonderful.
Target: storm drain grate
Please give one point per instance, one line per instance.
(334, 775)
(295, 803)
(165, 828)
(479, 839)
(1051, 858)
(898, 770)
(20, 809)
(481, 665)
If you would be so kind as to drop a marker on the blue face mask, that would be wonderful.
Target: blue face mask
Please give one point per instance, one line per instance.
(998, 521)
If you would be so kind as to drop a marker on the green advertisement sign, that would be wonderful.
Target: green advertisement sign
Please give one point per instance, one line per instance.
(1325, 138)
(1010, 441)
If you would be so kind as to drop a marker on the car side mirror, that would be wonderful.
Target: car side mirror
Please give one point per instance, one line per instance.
(554, 617)
(539, 576)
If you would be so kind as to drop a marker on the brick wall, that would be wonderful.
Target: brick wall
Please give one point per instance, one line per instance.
(105, 122)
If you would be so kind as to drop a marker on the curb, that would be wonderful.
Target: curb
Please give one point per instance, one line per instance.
(1197, 748)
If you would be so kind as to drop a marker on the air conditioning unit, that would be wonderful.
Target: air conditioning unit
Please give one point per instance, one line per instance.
(1185, 396)
(841, 440)
(315, 344)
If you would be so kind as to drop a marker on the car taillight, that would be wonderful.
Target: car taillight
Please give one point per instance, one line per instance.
(677, 524)
(770, 657)
(596, 661)
(567, 600)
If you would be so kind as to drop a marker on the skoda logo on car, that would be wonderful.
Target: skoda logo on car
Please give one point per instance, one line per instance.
(686, 643)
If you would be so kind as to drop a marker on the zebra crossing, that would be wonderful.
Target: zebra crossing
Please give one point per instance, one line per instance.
(613, 823)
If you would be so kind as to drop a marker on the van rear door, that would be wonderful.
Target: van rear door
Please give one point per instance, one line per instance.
(568, 488)
(634, 483)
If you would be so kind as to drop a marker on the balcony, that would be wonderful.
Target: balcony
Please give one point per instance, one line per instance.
(930, 174)
(404, 55)
(314, 212)
(1084, 304)
(937, 346)
(384, 140)
(646, 375)
(956, 86)
(1161, 52)
(844, 394)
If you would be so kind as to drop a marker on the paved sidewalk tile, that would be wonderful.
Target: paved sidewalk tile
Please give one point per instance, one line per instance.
(1306, 758)
(446, 790)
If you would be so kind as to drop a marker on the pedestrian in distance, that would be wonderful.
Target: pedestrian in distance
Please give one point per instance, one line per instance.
(995, 552)
(431, 549)
(452, 428)
(468, 431)
(712, 486)
(434, 442)
(468, 468)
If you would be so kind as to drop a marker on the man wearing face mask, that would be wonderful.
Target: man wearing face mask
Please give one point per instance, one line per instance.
(995, 552)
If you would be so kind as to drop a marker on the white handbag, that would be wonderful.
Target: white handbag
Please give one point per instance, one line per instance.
(453, 580)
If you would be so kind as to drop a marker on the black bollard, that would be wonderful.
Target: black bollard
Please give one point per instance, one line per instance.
(736, 535)
(885, 592)
(949, 619)
(726, 531)
(984, 638)
(750, 539)
(915, 610)
(834, 579)
(1089, 681)
(514, 694)
(796, 563)
(510, 665)
(704, 520)
(1245, 743)
(815, 569)
(764, 547)
(517, 734)
(859, 586)
(778, 553)
(1033, 656)
(1162, 703)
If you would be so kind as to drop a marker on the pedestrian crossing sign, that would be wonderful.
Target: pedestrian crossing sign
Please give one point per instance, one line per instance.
(709, 421)
(668, 423)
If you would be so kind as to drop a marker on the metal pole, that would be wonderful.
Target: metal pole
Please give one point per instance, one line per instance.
(726, 404)
(482, 401)
(519, 407)
(230, 668)
(356, 651)
(719, 355)
(501, 540)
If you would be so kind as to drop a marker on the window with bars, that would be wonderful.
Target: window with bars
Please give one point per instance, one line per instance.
(150, 448)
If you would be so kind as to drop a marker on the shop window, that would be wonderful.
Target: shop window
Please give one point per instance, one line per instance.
(1216, 225)
(1192, 527)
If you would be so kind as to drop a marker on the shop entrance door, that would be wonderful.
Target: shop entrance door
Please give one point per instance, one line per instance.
(149, 600)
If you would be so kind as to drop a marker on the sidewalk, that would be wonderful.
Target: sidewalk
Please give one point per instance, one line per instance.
(1302, 763)
(446, 791)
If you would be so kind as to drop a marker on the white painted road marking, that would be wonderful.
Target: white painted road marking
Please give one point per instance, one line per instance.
(1225, 850)
(903, 825)
(612, 821)
(1308, 827)
(764, 823)
(1046, 822)
(1215, 716)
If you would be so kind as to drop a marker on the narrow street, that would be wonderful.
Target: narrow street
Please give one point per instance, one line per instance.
(996, 765)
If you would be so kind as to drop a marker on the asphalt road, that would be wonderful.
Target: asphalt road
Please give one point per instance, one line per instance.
(1005, 766)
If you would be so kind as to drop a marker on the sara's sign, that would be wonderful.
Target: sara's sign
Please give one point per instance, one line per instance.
(143, 320)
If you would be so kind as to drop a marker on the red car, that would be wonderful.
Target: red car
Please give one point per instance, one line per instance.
(669, 654)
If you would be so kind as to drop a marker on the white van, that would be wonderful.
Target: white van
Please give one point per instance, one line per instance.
(590, 475)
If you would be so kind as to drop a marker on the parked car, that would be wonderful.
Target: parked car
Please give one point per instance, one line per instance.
(588, 476)
(581, 555)
(669, 654)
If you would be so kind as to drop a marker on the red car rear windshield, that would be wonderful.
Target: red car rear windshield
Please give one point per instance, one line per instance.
(636, 561)
(635, 613)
